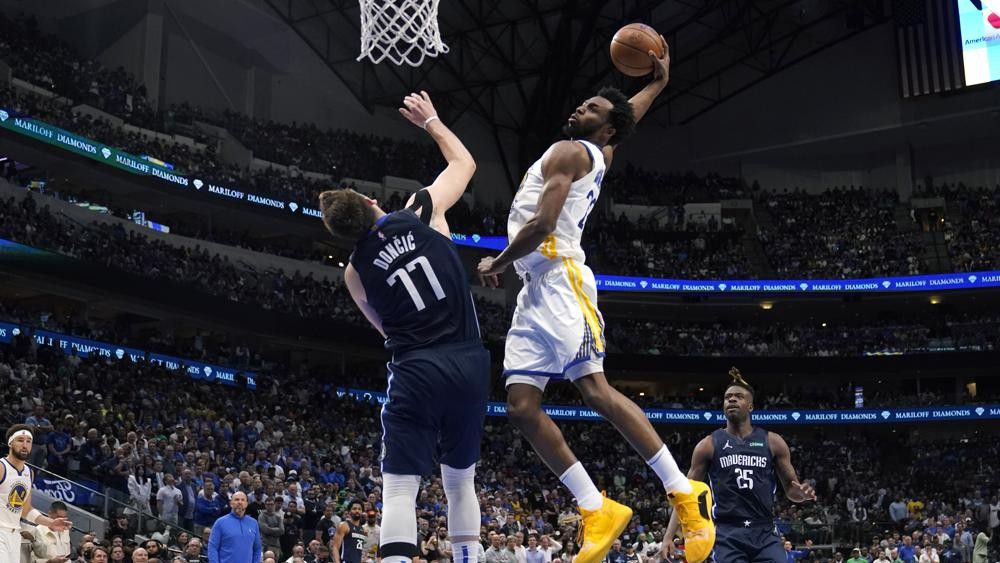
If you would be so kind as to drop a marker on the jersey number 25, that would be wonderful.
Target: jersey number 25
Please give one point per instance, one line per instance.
(744, 478)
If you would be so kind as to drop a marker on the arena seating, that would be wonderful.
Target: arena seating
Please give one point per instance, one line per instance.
(296, 440)
(127, 420)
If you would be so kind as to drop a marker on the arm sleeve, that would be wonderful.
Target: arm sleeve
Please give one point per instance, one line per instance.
(422, 201)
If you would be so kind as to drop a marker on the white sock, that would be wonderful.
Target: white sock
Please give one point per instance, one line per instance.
(582, 486)
(399, 519)
(666, 469)
(463, 511)
(465, 552)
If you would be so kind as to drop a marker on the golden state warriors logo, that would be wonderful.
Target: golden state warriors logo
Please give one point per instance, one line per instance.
(17, 497)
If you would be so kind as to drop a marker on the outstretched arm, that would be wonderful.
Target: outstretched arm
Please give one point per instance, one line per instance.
(642, 101)
(561, 167)
(451, 183)
(794, 490)
(36, 517)
(661, 76)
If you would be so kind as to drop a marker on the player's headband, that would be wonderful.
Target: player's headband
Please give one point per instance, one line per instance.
(15, 435)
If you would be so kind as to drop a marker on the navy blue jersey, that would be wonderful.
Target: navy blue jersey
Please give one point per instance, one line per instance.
(353, 546)
(742, 477)
(415, 281)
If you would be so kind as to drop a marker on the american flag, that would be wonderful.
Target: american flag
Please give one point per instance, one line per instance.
(929, 46)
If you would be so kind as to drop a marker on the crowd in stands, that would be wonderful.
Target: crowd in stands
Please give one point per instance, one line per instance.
(130, 252)
(222, 348)
(635, 186)
(213, 347)
(340, 152)
(972, 227)
(671, 249)
(205, 162)
(979, 333)
(842, 233)
(230, 280)
(308, 297)
(847, 232)
(302, 454)
(47, 62)
(60, 113)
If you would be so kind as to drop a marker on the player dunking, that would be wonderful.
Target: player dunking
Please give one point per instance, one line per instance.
(15, 494)
(742, 463)
(406, 277)
(557, 331)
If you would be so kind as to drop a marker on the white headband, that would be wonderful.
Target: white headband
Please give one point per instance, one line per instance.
(17, 434)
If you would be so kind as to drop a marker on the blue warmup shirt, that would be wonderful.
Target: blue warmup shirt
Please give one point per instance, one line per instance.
(234, 540)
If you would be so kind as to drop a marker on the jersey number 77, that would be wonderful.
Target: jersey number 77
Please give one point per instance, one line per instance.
(402, 274)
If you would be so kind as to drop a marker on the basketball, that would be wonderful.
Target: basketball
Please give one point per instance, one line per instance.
(630, 49)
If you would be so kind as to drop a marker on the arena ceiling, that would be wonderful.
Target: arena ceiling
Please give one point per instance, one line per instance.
(522, 64)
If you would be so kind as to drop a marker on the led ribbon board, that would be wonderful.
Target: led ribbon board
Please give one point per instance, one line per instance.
(86, 348)
(713, 418)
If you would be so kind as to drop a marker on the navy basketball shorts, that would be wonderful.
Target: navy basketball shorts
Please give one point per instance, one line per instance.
(436, 408)
(757, 543)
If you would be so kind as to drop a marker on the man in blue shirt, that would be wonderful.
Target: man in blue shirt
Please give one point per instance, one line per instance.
(59, 444)
(898, 511)
(235, 537)
(42, 427)
(208, 506)
(792, 554)
(615, 555)
(906, 551)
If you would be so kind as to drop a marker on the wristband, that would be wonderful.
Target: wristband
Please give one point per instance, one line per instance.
(428, 120)
(33, 515)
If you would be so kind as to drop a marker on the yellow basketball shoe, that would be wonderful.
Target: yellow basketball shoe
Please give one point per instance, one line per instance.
(694, 512)
(600, 528)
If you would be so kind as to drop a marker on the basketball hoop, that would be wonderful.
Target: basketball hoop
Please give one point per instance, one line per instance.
(403, 31)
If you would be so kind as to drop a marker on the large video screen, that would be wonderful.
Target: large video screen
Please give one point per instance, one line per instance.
(980, 23)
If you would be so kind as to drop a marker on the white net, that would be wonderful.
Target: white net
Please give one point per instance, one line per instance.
(403, 31)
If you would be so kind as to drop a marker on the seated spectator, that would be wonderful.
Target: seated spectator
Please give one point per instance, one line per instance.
(49, 546)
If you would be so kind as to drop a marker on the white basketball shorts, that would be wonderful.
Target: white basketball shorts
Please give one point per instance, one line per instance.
(557, 331)
(10, 545)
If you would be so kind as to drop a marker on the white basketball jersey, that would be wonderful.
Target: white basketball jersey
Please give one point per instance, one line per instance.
(564, 242)
(14, 491)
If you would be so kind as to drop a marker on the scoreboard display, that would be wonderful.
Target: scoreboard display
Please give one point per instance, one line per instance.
(980, 28)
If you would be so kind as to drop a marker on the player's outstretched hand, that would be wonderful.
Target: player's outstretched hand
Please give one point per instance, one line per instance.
(60, 524)
(489, 271)
(801, 492)
(661, 66)
(418, 109)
